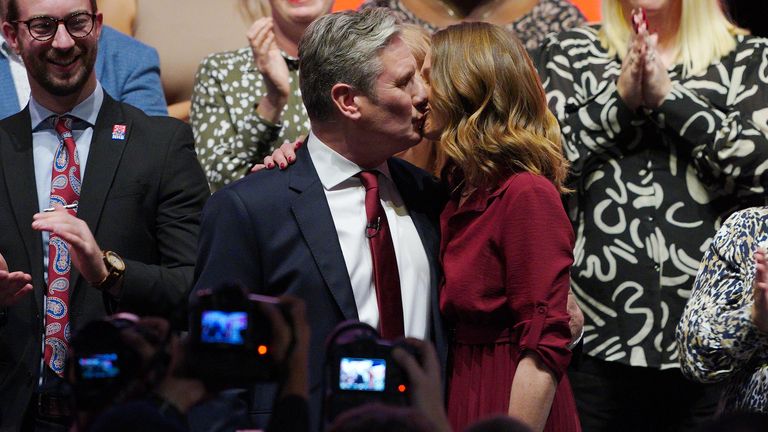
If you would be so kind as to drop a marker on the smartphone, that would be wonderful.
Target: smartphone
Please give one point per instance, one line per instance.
(223, 327)
(362, 374)
(99, 366)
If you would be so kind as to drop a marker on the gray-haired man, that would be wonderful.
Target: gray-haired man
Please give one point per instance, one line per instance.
(306, 231)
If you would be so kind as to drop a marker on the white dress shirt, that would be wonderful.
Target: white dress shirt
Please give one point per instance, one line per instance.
(346, 199)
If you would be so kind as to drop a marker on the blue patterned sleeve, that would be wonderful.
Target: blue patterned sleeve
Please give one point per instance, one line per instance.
(716, 337)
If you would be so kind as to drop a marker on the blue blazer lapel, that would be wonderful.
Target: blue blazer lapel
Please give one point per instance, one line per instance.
(19, 170)
(9, 101)
(313, 217)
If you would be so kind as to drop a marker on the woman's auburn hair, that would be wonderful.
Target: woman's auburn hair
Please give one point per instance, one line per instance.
(705, 34)
(487, 96)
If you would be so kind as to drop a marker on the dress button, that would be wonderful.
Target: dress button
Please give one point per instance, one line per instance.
(541, 309)
(656, 267)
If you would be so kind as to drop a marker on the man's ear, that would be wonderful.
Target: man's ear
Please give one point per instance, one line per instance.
(98, 23)
(345, 98)
(11, 34)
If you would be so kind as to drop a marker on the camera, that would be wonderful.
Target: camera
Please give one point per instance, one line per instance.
(104, 368)
(231, 338)
(359, 369)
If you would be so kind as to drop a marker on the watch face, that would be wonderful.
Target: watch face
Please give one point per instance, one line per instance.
(115, 261)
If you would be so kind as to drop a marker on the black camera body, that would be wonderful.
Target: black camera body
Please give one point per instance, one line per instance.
(103, 365)
(359, 369)
(230, 343)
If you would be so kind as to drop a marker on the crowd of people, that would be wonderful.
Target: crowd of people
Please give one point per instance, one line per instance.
(550, 225)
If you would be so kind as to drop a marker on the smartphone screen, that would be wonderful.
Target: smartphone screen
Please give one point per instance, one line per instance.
(99, 366)
(362, 374)
(223, 327)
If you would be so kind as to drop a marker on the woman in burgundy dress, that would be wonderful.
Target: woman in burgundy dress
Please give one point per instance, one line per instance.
(506, 240)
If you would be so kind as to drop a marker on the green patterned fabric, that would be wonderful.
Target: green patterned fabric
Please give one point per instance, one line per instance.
(230, 137)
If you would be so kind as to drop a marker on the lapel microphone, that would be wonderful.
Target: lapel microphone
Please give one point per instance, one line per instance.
(373, 227)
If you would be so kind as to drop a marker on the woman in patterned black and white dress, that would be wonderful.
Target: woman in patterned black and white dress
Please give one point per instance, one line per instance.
(666, 134)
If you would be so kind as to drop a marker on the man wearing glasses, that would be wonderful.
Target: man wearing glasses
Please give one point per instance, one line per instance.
(127, 69)
(99, 206)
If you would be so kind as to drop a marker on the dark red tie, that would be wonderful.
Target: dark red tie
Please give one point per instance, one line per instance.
(385, 273)
(65, 189)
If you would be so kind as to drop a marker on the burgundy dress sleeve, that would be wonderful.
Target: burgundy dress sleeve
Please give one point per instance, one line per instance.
(537, 241)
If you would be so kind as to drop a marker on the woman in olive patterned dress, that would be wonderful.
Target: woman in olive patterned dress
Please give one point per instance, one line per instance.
(247, 102)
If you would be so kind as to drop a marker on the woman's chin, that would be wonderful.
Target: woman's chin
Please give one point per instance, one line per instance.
(432, 134)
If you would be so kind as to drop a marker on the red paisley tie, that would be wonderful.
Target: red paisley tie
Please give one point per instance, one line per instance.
(65, 189)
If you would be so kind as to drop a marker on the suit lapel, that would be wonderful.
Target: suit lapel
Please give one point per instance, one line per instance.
(313, 217)
(19, 169)
(103, 161)
(9, 101)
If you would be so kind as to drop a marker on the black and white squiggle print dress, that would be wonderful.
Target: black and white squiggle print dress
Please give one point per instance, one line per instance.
(652, 188)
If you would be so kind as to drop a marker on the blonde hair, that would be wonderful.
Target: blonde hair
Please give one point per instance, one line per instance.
(487, 96)
(705, 34)
(418, 41)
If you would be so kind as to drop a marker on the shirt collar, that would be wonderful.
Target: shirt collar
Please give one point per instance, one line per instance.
(333, 168)
(290, 61)
(85, 111)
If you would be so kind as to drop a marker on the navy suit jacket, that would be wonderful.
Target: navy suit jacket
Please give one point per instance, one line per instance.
(273, 231)
(127, 69)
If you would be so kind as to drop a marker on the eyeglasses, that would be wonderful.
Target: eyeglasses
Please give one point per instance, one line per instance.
(44, 28)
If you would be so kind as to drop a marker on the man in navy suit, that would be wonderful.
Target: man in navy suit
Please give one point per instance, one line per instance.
(127, 69)
(302, 231)
(136, 188)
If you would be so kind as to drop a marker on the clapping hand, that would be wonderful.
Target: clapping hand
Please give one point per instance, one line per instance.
(760, 291)
(85, 252)
(643, 80)
(656, 82)
(269, 61)
(630, 82)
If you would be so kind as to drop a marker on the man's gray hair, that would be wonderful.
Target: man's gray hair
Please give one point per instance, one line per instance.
(342, 47)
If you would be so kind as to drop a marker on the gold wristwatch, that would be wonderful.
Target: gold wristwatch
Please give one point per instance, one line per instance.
(115, 270)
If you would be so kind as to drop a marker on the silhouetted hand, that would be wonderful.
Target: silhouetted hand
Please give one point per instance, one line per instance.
(13, 285)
